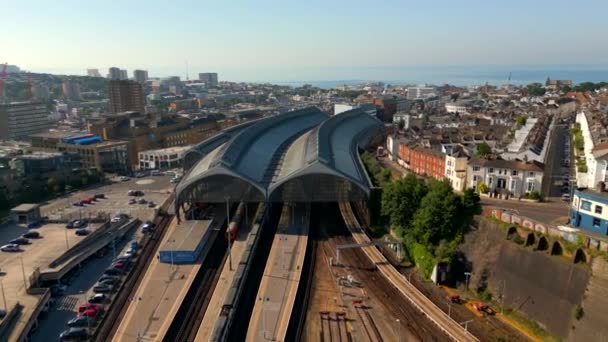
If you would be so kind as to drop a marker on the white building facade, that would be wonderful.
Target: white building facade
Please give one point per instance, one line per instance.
(596, 158)
(505, 177)
(161, 159)
(456, 171)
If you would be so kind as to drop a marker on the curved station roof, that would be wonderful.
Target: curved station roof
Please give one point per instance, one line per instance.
(299, 156)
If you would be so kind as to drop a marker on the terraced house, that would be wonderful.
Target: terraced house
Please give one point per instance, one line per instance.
(507, 178)
(589, 210)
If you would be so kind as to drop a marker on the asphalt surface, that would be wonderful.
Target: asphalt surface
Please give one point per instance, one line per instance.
(78, 292)
(554, 169)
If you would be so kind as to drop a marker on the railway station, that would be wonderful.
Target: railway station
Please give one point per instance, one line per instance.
(240, 252)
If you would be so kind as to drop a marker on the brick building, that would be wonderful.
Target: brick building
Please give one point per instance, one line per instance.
(423, 161)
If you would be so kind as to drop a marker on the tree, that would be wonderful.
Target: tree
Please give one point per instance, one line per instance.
(521, 120)
(482, 187)
(439, 216)
(483, 149)
(536, 89)
(401, 199)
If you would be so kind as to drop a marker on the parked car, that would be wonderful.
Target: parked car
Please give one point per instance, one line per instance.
(175, 180)
(566, 197)
(142, 201)
(112, 271)
(20, 241)
(74, 334)
(98, 298)
(129, 253)
(32, 234)
(110, 281)
(155, 173)
(119, 265)
(148, 227)
(151, 204)
(86, 201)
(135, 193)
(81, 321)
(35, 224)
(102, 288)
(82, 232)
(132, 201)
(78, 204)
(11, 247)
(85, 307)
(125, 179)
(134, 244)
(122, 259)
(119, 218)
(140, 175)
(100, 195)
(105, 277)
(92, 314)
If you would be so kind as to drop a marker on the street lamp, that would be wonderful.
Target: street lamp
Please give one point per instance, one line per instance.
(467, 276)
(398, 329)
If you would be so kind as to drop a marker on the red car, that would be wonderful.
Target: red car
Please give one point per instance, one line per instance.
(92, 198)
(89, 313)
(84, 307)
(87, 201)
(118, 264)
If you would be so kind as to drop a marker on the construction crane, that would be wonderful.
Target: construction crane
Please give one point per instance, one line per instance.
(2, 78)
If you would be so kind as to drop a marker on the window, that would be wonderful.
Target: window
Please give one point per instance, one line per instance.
(490, 181)
(530, 186)
(596, 222)
(598, 209)
(586, 205)
(476, 168)
(514, 173)
(474, 178)
(531, 174)
(513, 183)
(491, 170)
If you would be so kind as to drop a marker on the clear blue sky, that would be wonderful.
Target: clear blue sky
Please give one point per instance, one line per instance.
(294, 39)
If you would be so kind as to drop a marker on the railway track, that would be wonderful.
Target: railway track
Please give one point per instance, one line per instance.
(369, 326)
(113, 317)
(188, 318)
(400, 283)
(334, 327)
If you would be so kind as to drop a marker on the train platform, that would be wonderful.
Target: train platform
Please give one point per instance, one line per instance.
(279, 285)
(163, 288)
(224, 283)
(185, 243)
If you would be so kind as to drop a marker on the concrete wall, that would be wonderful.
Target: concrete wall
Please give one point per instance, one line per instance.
(543, 287)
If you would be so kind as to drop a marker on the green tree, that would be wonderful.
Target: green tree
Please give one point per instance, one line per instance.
(483, 188)
(521, 120)
(483, 149)
(401, 199)
(536, 89)
(439, 216)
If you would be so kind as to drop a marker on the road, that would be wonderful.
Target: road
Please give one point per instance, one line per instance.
(554, 171)
(546, 212)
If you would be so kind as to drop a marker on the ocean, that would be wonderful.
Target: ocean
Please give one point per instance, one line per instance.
(459, 75)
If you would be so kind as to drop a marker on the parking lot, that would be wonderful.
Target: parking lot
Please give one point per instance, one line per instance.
(155, 189)
(18, 267)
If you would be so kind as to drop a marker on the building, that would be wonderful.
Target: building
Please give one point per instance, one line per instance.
(209, 78)
(93, 73)
(456, 168)
(44, 163)
(124, 75)
(126, 96)
(26, 213)
(162, 159)
(595, 152)
(423, 161)
(342, 107)
(148, 131)
(71, 90)
(402, 117)
(93, 151)
(140, 76)
(114, 73)
(40, 92)
(19, 120)
(420, 93)
(186, 104)
(589, 211)
(388, 106)
(457, 107)
(557, 84)
(511, 178)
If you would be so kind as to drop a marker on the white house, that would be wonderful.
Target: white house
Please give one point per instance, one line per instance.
(456, 168)
(506, 177)
(596, 157)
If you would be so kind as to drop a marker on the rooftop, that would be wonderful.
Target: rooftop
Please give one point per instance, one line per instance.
(25, 207)
(507, 164)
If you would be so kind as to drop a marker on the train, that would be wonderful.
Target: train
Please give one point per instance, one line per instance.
(233, 227)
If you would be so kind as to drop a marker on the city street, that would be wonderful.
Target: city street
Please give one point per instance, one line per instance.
(554, 169)
(546, 212)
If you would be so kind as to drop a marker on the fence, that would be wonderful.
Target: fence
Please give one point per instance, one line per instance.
(568, 234)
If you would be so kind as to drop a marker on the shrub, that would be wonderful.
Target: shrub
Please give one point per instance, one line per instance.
(518, 239)
(483, 188)
(578, 312)
(485, 295)
(534, 195)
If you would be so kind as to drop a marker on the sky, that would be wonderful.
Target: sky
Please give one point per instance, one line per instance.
(294, 40)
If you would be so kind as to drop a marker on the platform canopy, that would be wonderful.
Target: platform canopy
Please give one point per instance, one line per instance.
(304, 155)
